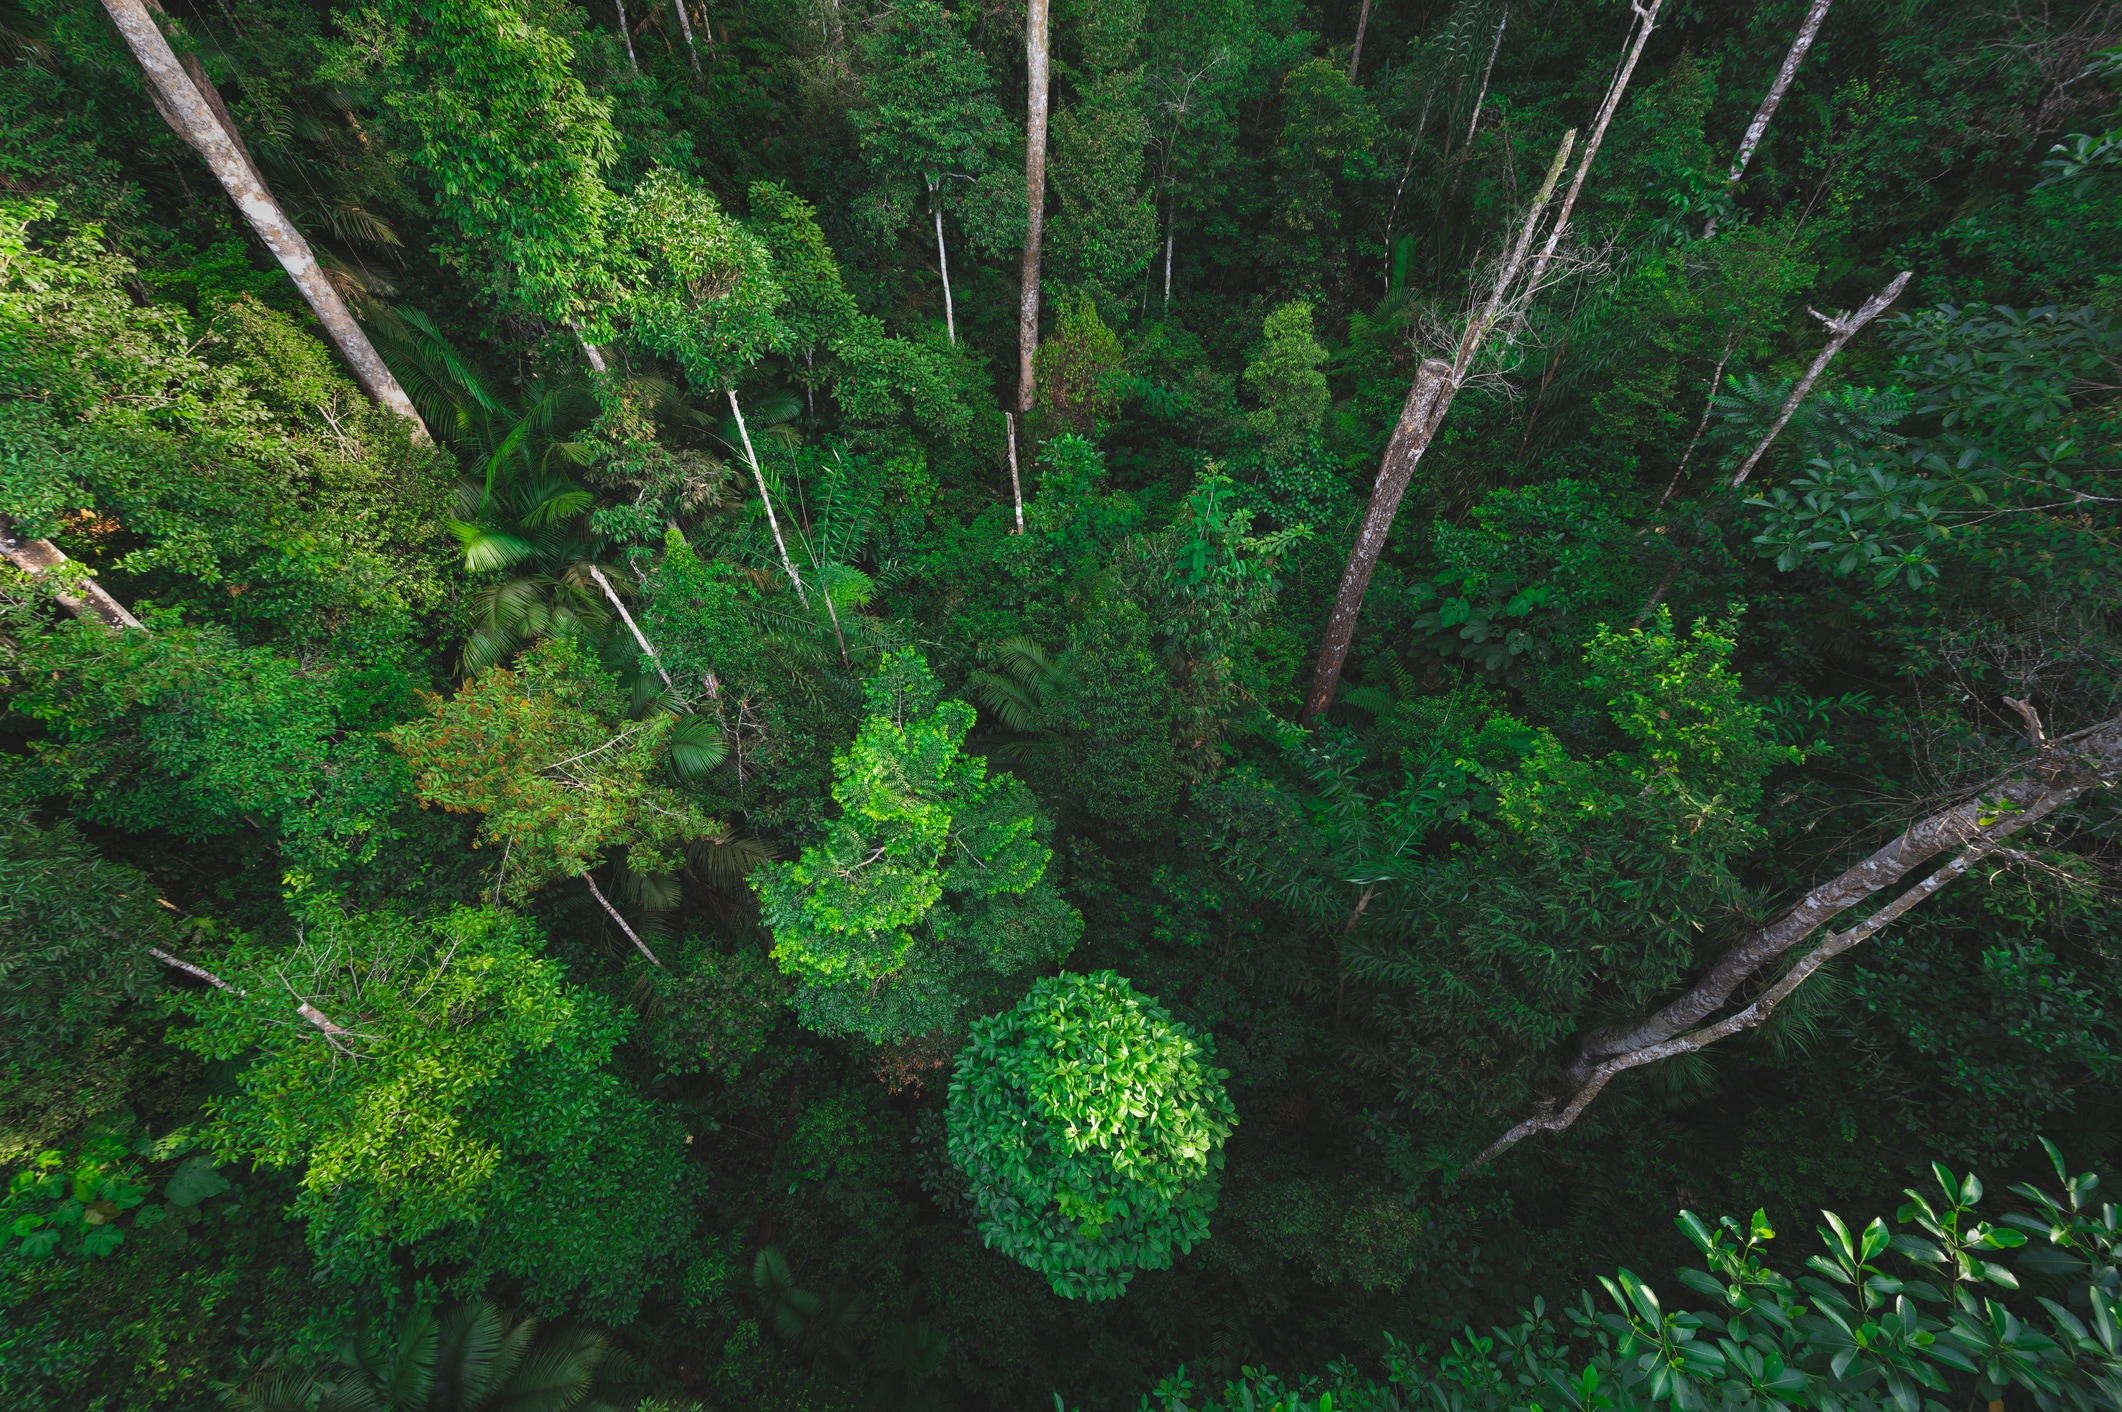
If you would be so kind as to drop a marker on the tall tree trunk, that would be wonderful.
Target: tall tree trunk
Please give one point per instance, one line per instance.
(1355, 54)
(759, 478)
(1035, 64)
(1482, 97)
(1973, 830)
(1016, 487)
(627, 35)
(1170, 237)
(1808, 30)
(194, 120)
(1436, 382)
(1648, 16)
(685, 27)
(950, 317)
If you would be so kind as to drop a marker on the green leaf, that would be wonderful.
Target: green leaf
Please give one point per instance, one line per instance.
(195, 1180)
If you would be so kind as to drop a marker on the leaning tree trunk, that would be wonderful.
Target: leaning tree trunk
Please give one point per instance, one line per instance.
(1972, 830)
(1435, 383)
(1411, 437)
(194, 120)
(1808, 30)
(1035, 35)
(38, 557)
(1840, 330)
(1355, 54)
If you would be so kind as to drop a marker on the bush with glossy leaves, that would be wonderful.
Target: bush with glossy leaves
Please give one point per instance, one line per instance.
(1091, 1127)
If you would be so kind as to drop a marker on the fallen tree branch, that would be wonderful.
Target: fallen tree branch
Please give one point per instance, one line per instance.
(38, 557)
(324, 1023)
(2087, 760)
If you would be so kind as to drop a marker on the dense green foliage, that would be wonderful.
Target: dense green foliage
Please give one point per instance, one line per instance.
(732, 874)
(1091, 1132)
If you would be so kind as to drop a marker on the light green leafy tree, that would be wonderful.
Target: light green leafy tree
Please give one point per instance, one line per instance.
(1286, 379)
(445, 1088)
(512, 146)
(1091, 1129)
(702, 290)
(931, 886)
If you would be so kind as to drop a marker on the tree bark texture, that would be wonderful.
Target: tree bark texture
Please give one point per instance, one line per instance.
(1977, 828)
(1808, 30)
(1436, 383)
(37, 557)
(1355, 54)
(1036, 23)
(196, 122)
(627, 35)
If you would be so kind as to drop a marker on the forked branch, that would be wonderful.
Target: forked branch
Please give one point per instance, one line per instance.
(1976, 828)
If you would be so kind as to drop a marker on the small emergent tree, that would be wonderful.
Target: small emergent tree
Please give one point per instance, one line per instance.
(931, 887)
(1091, 1128)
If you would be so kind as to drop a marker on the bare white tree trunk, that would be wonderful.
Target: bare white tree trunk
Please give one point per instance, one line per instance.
(1840, 331)
(194, 119)
(1170, 236)
(1808, 30)
(326, 1026)
(613, 912)
(950, 317)
(1036, 22)
(759, 477)
(1647, 16)
(628, 618)
(1482, 97)
(685, 27)
(1016, 487)
(1355, 54)
(1977, 828)
(626, 34)
(1436, 383)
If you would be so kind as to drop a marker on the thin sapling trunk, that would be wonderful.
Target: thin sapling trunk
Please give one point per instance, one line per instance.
(950, 318)
(759, 478)
(1016, 487)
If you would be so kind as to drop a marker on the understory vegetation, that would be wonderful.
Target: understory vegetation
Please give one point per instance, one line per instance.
(1323, 705)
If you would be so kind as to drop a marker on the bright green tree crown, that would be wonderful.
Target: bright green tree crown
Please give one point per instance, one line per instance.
(1091, 1128)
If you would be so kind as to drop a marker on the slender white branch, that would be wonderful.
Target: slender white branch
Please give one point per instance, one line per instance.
(628, 618)
(759, 476)
(1840, 331)
(613, 913)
